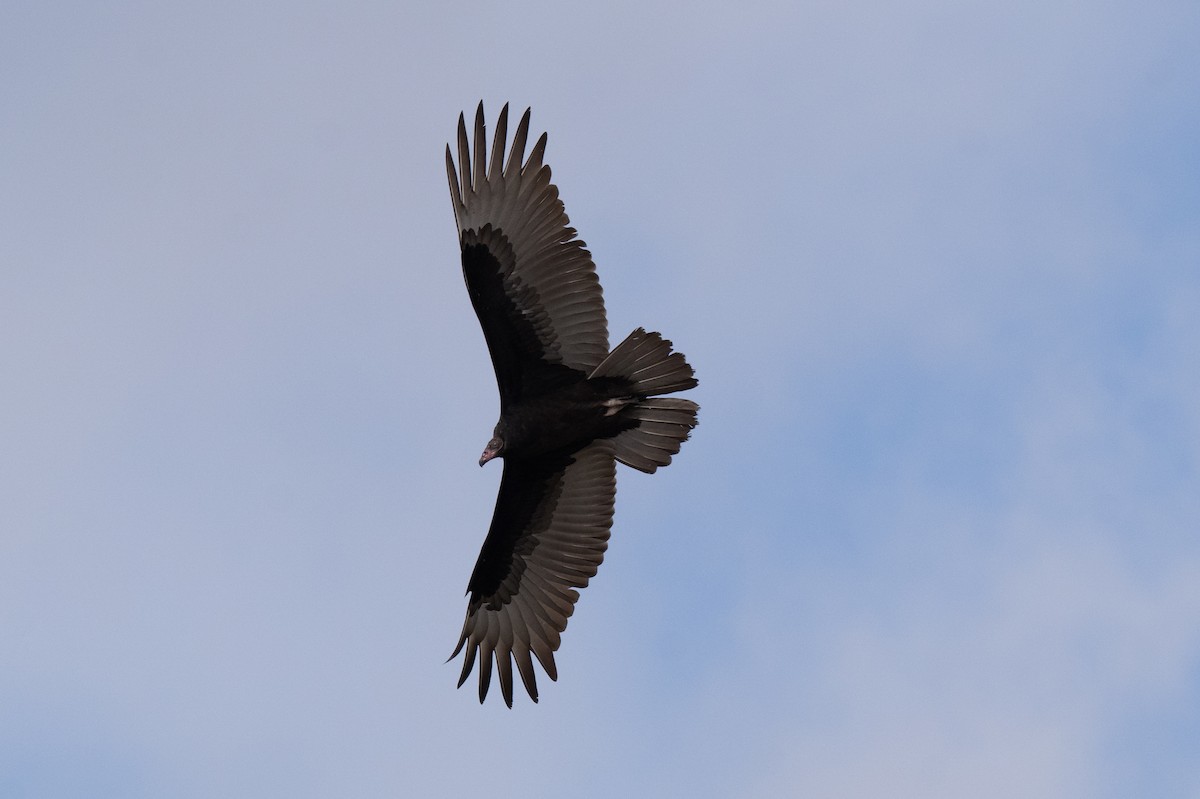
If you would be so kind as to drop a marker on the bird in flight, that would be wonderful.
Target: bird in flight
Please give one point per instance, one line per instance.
(569, 408)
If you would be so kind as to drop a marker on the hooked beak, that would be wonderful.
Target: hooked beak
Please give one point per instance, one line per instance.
(494, 447)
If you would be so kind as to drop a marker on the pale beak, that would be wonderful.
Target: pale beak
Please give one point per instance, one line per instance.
(488, 454)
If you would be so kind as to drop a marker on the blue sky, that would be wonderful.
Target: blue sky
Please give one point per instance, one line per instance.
(937, 266)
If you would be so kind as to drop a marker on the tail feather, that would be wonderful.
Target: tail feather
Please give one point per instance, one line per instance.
(646, 360)
(664, 423)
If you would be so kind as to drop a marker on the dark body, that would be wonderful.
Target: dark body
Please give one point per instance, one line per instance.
(566, 418)
(569, 407)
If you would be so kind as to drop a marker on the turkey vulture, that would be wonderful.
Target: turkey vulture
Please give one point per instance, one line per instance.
(569, 408)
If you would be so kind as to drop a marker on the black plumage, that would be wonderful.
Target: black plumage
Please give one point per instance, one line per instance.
(569, 408)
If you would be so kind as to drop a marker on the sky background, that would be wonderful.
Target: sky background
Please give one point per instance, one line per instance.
(937, 265)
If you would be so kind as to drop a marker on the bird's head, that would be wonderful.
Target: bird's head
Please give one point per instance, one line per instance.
(494, 447)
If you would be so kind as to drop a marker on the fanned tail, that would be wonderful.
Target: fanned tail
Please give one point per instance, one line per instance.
(662, 424)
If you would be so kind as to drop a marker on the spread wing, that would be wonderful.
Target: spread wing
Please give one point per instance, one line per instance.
(548, 536)
(533, 284)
